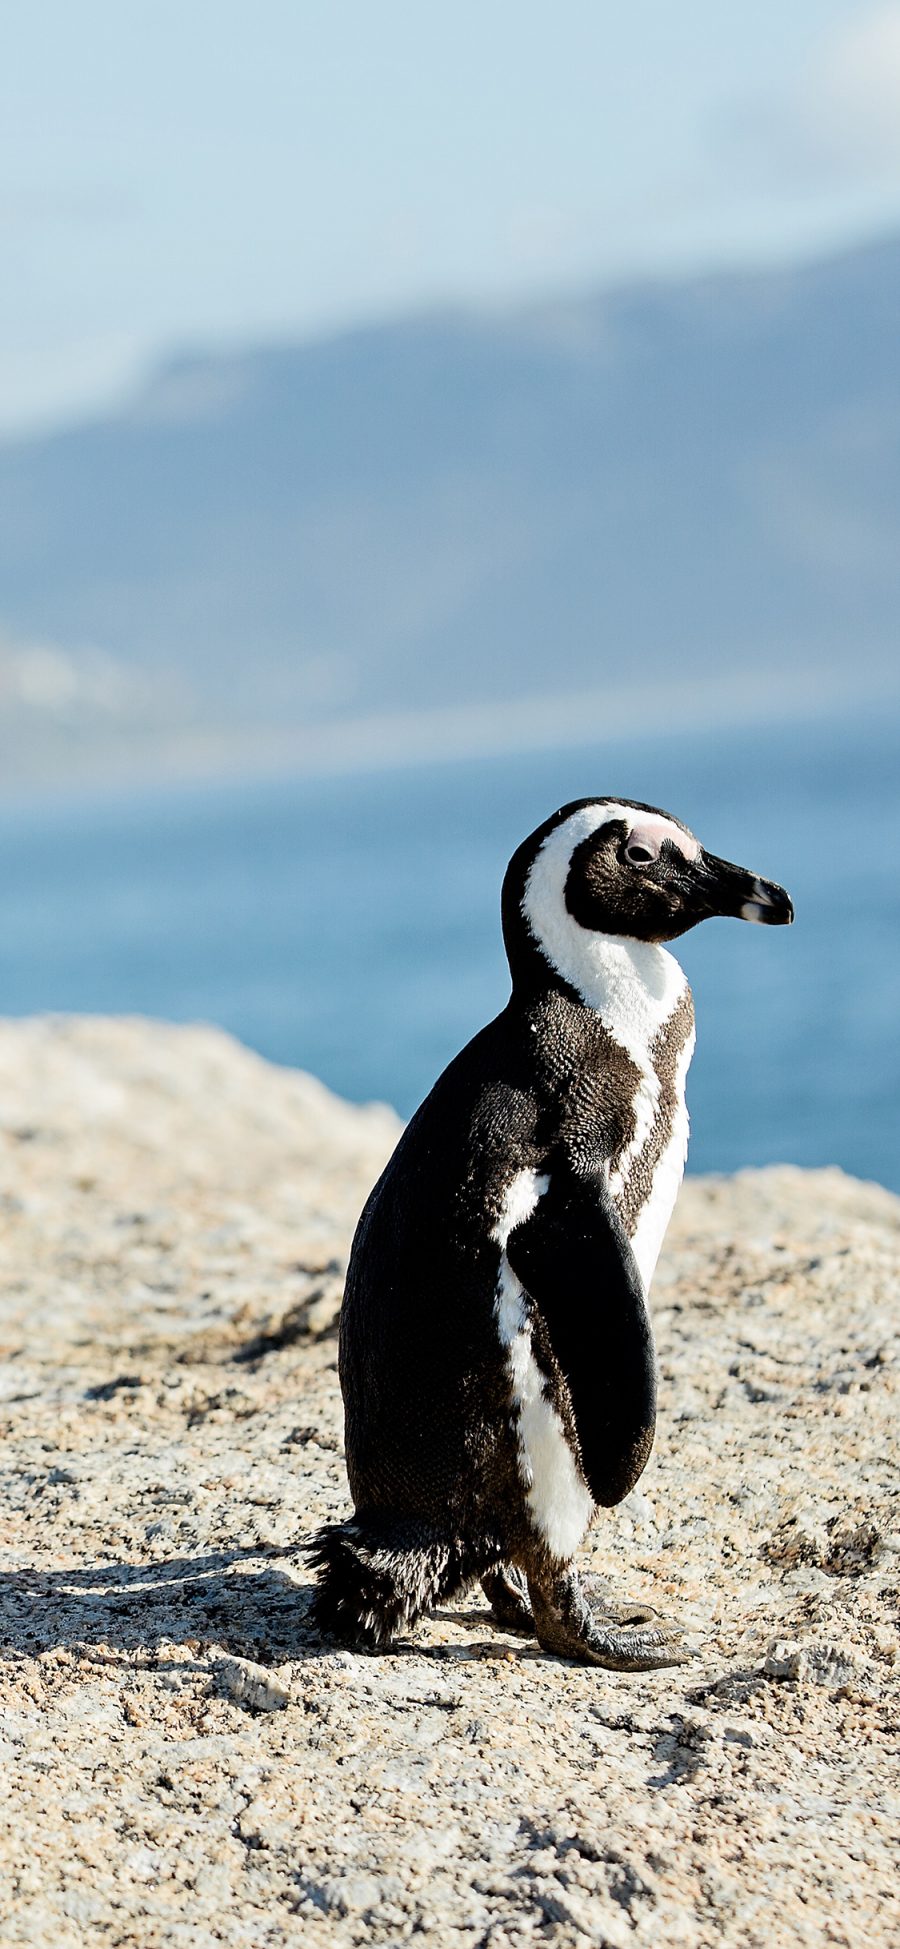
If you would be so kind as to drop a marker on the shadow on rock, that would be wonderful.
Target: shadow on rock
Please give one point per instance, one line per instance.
(256, 1613)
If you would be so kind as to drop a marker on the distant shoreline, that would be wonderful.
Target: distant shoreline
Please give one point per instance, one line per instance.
(403, 740)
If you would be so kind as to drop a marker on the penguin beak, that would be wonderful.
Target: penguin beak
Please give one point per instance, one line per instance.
(732, 890)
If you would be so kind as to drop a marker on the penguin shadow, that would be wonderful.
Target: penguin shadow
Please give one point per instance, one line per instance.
(500, 1642)
(142, 1610)
(138, 1612)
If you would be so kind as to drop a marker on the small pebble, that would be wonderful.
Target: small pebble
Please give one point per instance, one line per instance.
(250, 1685)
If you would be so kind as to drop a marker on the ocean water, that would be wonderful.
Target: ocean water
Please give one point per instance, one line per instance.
(351, 924)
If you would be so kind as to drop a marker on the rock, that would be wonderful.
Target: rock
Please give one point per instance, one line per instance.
(250, 1685)
(817, 1664)
(785, 1660)
(174, 1225)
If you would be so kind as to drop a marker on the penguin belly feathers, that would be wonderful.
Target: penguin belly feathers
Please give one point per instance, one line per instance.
(496, 1353)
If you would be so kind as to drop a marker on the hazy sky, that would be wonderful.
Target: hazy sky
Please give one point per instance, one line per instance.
(175, 172)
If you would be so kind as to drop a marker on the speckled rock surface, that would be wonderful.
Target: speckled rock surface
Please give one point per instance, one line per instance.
(184, 1763)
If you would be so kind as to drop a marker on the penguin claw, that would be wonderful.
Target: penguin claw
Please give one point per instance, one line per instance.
(507, 1594)
(634, 1650)
(628, 1640)
(628, 1649)
(604, 1612)
(626, 1615)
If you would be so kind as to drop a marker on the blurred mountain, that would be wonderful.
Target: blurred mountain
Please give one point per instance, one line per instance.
(670, 485)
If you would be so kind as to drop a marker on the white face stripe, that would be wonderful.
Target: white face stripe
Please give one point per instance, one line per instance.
(580, 825)
(544, 900)
(634, 985)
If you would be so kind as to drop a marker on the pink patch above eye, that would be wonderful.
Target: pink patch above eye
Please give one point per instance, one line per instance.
(650, 833)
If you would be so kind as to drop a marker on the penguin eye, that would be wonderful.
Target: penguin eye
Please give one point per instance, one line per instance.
(638, 853)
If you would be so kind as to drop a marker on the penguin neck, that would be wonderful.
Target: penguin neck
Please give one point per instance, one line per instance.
(633, 986)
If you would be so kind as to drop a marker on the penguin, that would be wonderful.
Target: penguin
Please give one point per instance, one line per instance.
(496, 1354)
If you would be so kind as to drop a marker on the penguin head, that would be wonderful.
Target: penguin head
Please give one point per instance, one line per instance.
(616, 867)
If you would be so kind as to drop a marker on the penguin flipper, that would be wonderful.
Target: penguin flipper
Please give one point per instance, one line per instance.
(575, 1261)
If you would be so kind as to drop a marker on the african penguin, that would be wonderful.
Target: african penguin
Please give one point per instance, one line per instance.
(496, 1354)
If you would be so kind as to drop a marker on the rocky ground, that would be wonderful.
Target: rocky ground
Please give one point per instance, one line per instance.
(184, 1763)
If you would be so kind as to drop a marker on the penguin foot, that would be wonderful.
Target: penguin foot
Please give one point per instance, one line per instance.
(378, 1573)
(622, 1640)
(507, 1593)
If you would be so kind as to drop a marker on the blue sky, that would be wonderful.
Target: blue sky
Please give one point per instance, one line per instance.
(203, 172)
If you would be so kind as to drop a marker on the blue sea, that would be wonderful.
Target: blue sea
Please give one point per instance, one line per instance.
(350, 924)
